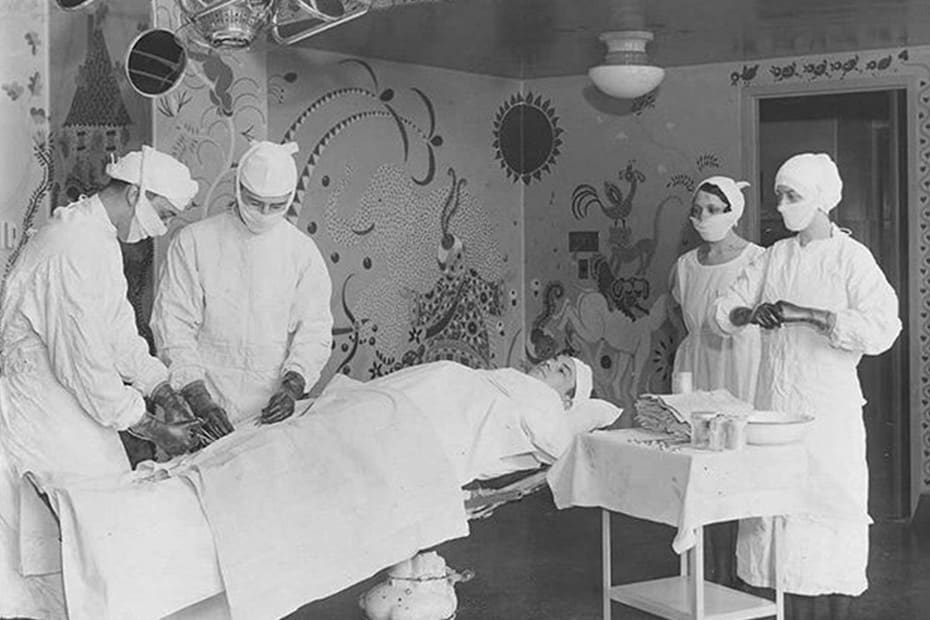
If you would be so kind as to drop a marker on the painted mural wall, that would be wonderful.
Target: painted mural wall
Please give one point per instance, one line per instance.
(208, 121)
(603, 229)
(95, 115)
(401, 191)
(25, 164)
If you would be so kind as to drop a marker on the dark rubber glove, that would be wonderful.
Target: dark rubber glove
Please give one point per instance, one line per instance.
(793, 313)
(215, 421)
(173, 407)
(741, 316)
(174, 438)
(281, 405)
(766, 316)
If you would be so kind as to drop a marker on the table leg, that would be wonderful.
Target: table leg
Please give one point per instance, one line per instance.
(605, 560)
(697, 575)
(683, 560)
(778, 534)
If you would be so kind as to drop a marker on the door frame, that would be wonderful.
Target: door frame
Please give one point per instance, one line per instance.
(917, 298)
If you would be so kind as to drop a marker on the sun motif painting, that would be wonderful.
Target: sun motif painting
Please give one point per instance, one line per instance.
(527, 137)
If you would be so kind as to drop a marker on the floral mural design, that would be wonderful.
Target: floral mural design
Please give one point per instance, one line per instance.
(455, 317)
(418, 257)
(26, 151)
(834, 67)
(427, 138)
(209, 120)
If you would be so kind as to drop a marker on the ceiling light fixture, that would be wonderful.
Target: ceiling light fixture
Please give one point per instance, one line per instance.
(626, 72)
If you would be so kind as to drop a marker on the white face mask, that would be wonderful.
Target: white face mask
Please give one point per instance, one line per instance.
(257, 222)
(715, 227)
(145, 221)
(798, 215)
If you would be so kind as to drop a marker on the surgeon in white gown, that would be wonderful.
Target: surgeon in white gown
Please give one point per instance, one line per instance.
(242, 307)
(823, 302)
(716, 361)
(74, 368)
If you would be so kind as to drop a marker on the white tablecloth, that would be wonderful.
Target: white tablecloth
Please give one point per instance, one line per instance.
(632, 471)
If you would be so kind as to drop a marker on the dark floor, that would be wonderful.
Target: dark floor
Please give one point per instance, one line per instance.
(535, 562)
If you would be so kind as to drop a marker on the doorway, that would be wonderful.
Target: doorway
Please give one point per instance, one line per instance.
(866, 134)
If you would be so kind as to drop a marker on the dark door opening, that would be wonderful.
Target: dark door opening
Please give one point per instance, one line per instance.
(866, 134)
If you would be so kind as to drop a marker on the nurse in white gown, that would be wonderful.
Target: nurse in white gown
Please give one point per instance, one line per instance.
(715, 361)
(700, 276)
(824, 303)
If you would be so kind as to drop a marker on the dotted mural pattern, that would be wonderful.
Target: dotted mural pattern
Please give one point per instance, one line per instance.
(397, 227)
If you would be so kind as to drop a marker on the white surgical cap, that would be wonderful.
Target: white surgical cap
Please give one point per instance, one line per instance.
(269, 169)
(584, 380)
(815, 177)
(161, 174)
(732, 189)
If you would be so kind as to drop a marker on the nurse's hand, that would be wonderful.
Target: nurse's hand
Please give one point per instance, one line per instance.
(766, 316)
(741, 316)
(281, 405)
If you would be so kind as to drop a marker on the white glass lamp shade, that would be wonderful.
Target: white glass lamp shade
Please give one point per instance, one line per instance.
(626, 72)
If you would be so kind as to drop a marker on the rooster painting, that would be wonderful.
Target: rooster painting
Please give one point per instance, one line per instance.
(619, 205)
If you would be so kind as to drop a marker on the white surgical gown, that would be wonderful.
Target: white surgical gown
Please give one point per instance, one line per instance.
(68, 346)
(714, 361)
(807, 372)
(238, 310)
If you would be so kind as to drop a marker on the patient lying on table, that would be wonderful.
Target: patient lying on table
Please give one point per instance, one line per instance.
(365, 478)
(493, 422)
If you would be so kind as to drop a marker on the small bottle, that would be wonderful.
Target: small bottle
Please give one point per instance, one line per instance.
(736, 432)
(700, 428)
(717, 438)
(682, 383)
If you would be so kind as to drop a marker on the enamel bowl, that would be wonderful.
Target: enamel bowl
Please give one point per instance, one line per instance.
(767, 428)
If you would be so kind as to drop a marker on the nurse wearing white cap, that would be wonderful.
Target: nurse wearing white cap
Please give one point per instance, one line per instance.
(74, 368)
(242, 308)
(715, 361)
(824, 303)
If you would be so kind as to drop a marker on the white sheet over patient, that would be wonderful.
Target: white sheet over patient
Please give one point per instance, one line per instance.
(490, 422)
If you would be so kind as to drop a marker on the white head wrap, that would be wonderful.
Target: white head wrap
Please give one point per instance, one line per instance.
(269, 169)
(815, 177)
(161, 174)
(733, 190)
(584, 381)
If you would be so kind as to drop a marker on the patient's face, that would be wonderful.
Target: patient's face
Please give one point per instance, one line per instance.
(558, 373)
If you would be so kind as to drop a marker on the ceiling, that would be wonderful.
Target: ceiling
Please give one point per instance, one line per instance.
(543, 38)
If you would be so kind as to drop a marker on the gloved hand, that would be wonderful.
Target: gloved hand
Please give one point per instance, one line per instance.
(791, 313)
(766, 315)
(281, 405)
(174, 438)
(215, 421)
(741, 316)
(174, 408)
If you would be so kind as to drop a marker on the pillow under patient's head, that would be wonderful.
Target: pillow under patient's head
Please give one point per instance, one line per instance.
(592, 413)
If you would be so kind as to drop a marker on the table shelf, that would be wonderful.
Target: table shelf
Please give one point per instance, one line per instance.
(671, 598)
